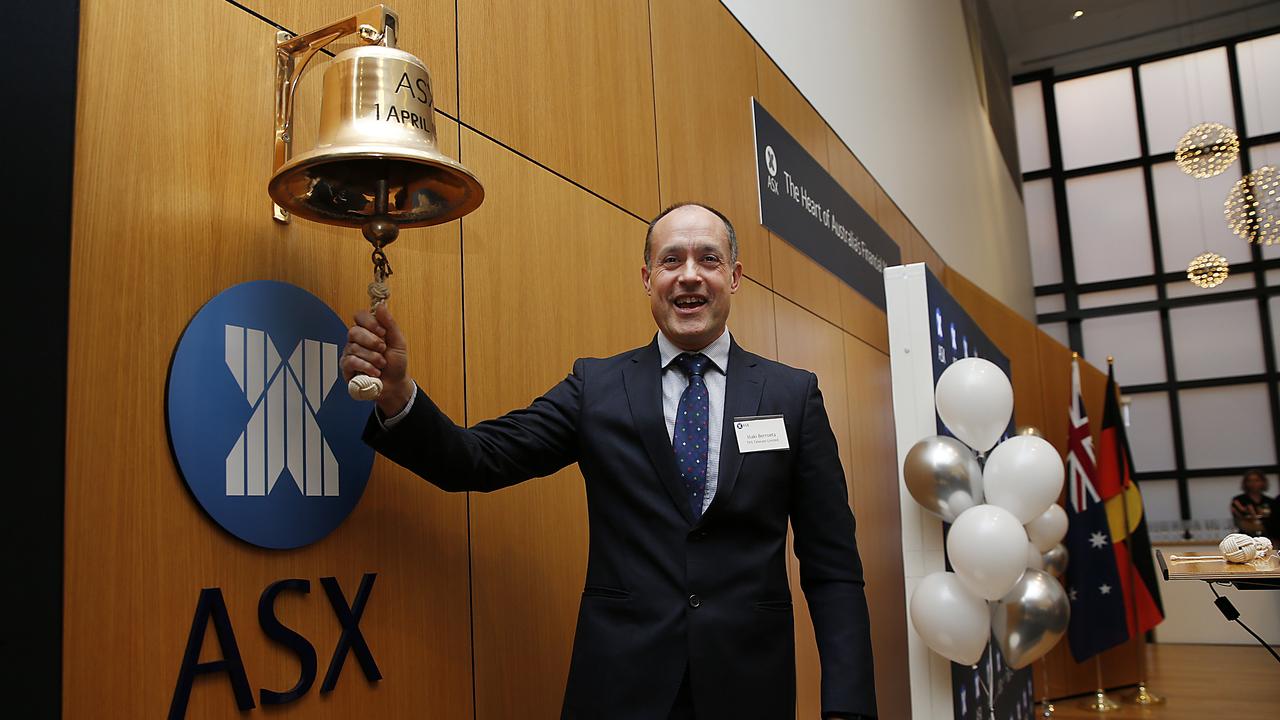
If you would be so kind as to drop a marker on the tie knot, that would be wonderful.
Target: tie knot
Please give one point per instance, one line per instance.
(693, 364)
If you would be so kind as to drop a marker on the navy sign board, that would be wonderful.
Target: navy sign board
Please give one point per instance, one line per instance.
(802, 204)
(261, 426)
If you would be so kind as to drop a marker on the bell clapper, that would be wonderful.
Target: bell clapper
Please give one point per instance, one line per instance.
(380, 232)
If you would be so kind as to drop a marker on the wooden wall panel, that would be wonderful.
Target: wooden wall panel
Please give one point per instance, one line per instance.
(538, 242)
(704, 79)
(918, 249)
(427, 29)
(1016, 338)
(805, 282)
(167, 215)
(806, 341)
(568, 83)
(850, 173)
(873, 477)
(752, 323)
(861, 318)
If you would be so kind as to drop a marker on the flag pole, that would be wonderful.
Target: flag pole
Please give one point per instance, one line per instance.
(1140, 696)
(1100, 703)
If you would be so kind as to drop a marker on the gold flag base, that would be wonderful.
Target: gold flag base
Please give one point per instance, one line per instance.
(1143, 696)
(1047, 709)
(1100, 703)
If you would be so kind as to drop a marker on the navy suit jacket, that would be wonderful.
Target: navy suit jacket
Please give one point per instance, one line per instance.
(664, 592)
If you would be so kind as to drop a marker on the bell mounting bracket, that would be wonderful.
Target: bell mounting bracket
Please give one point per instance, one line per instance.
(375, 26)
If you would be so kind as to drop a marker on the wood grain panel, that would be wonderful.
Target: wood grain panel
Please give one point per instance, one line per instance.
(918, 249)
(874, 495)
(167, 215)
(850, 173)
(1016, 338)
(806, 341)
(568, 83)
(704, 78)
(892, 220)
(552, 273)
(752, 320)
(861, 318)
(803, 281)
(427, 30)
(790, 108)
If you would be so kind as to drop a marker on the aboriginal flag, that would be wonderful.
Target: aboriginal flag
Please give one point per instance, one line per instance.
(1126, 518)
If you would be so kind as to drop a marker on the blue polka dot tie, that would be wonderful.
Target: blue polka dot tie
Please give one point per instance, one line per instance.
(690, 437)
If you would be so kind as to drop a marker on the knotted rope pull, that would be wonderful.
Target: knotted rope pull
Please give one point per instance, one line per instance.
(365, 387)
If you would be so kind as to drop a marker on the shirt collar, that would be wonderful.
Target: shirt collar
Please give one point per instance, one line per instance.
(717, 351)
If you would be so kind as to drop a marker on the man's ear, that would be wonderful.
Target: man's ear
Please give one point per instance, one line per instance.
(736, 277)
(644, 277)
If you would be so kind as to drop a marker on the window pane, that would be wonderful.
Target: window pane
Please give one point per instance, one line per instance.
(1160, 502)
(1135, 341)
(1189, 213)
(1273, 305)
(1050, 304)
(1028, 113)
(1057, 331)
(1210, 497)
(1182, 92)
(1110, 233)
(1150, 432)
(1236, 281)
(1259, 67)
(1042, 232)
(1260, 155)
(1227, 426)
(1124, 296)
(1097, 119)
(1217, 340)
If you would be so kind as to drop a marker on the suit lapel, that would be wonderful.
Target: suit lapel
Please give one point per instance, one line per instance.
(642, 379)
(744, 384)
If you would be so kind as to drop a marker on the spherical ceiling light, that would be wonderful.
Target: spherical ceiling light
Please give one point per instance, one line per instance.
(1252, 208)
(1207, 149)
(1208, 270)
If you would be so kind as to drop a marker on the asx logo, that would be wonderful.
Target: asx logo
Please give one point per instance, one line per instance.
(269, 444)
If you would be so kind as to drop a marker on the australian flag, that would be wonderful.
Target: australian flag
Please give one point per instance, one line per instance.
(1098, 619)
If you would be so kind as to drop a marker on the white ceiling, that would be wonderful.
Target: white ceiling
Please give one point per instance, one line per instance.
(1039, 34)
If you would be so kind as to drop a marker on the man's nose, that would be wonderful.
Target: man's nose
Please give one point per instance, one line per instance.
(689, 272)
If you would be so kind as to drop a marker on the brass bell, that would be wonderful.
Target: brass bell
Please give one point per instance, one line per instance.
(376, 158)
(377, 139)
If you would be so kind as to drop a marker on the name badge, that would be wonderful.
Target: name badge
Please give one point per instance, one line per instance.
(756, 434)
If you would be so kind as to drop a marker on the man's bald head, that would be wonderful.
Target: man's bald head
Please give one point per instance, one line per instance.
(728, 228)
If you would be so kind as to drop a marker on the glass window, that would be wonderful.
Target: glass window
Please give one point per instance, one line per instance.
(1227, 426)
(1097, 119)
(1150, 432)
(1217, 340)
(1236, 281)
(1124, 296)
(1259, 62)
(1057, 331)
(1210, 497)
(1160, 502)
(1042, 232)
(1182, 92)
(1033, 139)
(1110, 233)
(1050, 304)
(1135, 341)
(1189, 213)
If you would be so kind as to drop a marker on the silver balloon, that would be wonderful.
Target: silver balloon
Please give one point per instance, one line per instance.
(1029, 620)
(943, 475)
(1055, 560)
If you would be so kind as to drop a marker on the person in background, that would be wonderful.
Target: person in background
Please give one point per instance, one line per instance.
(1252, 510)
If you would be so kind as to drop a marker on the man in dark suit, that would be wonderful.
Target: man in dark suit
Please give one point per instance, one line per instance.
(691, 480)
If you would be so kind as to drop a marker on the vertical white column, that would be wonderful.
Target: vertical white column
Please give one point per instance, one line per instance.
(314, 470)
(275, 428)
(254, 456)
(234, 352)
(254, 360)
(235, 468)
(294, 414)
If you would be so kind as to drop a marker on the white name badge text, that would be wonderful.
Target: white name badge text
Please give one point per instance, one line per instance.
(756, 434)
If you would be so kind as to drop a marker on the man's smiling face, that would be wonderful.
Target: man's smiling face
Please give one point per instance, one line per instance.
(690, 276)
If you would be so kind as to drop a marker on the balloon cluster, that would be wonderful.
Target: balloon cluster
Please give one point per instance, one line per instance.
(1005, 542)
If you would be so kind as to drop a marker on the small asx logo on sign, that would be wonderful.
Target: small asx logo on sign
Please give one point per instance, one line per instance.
(266, 445)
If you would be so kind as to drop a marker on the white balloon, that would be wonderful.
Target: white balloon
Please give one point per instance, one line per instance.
(988, 549)
(1035, 560)
(975, 401)
(1048, 529)
(952, 621)
(1023, 475)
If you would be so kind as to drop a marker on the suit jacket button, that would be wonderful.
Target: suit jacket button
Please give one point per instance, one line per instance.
(695, 601)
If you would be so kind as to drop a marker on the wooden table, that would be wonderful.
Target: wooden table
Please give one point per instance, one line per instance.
(1256, 575)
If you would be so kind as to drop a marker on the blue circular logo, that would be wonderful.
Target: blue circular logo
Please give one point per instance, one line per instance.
(261, 425)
